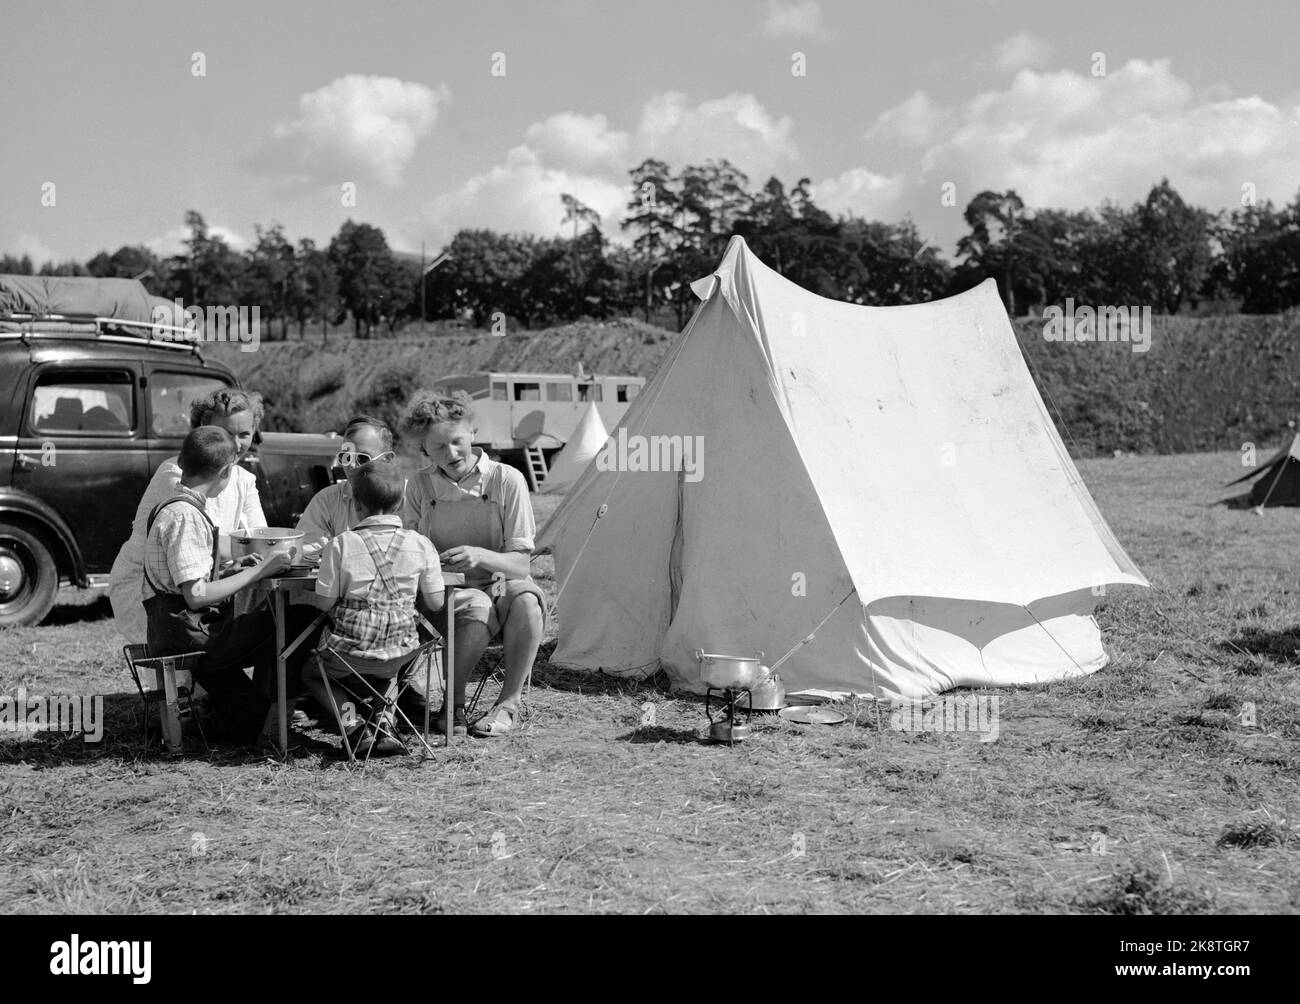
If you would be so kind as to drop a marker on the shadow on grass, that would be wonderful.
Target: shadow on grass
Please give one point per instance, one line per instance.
(1261, 650)
(1140, 889)
(123, 739)
(575, 681)
(83, 613)
(654, 734)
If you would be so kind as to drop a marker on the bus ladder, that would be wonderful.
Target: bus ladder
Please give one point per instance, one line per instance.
(536, 463)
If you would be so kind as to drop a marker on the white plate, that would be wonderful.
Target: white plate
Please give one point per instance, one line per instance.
(808, 715)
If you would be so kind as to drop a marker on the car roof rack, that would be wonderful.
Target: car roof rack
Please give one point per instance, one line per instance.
(25, 324)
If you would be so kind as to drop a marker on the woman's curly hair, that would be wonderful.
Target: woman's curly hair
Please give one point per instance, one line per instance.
(426, 411)
(226, 401)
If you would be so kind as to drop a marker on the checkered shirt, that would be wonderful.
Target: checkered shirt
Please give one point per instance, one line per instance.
(178, 549)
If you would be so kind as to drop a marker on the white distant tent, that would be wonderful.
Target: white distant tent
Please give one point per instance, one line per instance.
(886, 478)
(587, 439)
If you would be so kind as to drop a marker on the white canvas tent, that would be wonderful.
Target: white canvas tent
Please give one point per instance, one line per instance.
(886, 478)
(588, 437)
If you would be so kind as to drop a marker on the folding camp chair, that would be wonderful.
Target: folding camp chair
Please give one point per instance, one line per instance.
(173, 678)
(359, 687)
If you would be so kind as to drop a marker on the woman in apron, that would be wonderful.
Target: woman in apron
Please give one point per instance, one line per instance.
(478, 515)
(240, 414)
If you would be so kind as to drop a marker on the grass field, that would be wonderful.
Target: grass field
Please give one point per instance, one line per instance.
(1147, 761)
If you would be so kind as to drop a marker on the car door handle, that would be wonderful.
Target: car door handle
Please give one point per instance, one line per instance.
(25, 462)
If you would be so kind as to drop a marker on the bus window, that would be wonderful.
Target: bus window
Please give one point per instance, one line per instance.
(559, 392)
(528, 392)
(621, 390)
(499, 392)
(590, 392)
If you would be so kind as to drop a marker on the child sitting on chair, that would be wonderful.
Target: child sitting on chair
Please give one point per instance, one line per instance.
(370, 578)
(188, 605)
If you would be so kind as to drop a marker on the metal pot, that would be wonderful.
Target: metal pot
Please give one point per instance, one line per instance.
(768, 694)
(265, 541)
(728, 672)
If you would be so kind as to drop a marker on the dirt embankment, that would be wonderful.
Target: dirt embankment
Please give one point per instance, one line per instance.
(313, 385)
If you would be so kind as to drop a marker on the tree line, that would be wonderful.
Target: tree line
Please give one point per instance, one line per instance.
(1162, 252)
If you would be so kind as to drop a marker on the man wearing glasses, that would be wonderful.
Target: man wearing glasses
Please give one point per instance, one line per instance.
(333, 510)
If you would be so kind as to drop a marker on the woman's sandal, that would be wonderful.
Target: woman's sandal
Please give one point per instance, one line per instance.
(497, 722)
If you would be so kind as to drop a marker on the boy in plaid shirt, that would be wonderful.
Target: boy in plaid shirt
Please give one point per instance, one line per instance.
(370, 579)
(189, 606)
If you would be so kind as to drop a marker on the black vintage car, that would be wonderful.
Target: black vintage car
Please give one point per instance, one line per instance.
(87, 413)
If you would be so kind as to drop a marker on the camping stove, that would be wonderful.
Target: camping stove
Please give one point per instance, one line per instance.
(724, 728)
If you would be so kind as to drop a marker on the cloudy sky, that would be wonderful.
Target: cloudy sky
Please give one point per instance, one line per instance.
(481, 113)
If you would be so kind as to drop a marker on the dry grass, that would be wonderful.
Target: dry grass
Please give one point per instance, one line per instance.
(586, 810)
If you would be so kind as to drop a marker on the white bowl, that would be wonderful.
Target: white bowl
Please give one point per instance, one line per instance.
(265, 541)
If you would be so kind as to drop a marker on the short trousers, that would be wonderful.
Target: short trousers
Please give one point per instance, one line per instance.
(478, 606)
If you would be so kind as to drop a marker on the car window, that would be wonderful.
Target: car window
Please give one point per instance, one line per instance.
(559, 392)
(499, 392)
(76, 402)
(528, 392)
(590, 392)
(170, 397)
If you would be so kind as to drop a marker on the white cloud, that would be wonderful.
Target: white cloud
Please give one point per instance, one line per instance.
(1020, 51)
(580, 142)
(173, 241)
(582, 156)
(356, 128)
(860, 192)
(736, 127)
(523, 196)
(33, 247)
(1070, 140)
(915, 122)
(803, 18)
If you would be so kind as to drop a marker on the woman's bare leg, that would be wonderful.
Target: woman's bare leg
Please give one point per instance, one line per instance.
(521, 638)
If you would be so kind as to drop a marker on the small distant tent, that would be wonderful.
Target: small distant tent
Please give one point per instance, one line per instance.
(583, 445)
(878, 492)
(1278, 481)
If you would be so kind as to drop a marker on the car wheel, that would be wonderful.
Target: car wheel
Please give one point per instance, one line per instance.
(29, 580)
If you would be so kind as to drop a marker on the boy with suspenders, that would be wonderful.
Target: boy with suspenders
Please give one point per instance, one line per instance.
(189, 607)
(373, 579)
